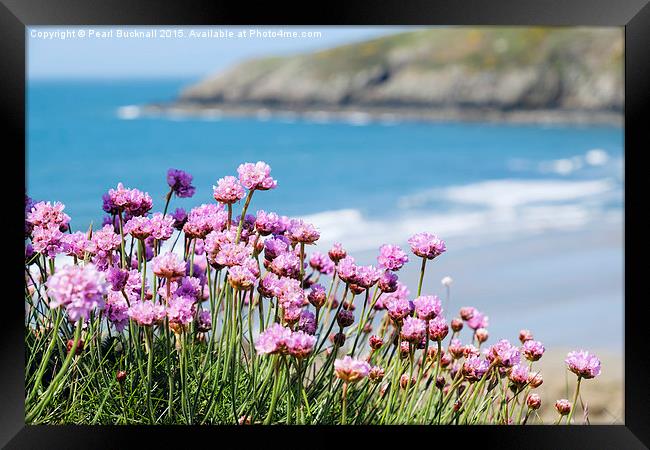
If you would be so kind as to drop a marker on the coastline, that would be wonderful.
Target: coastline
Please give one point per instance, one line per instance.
(363, 114)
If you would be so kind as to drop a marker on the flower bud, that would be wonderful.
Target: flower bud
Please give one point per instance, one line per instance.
(80, 346)
(376, 342)
(120, 376)
(481, 335)
(457, 405)
(525, 335)
(535, 380)
(356, 289)
(376, 374)
(534, 401)
(467, 312)
(563, 406)
(339, 339)
(456, 324)
(345, 318)
(406, 382)
(440, 382)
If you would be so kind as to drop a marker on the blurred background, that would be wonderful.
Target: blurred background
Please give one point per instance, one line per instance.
(506, 142)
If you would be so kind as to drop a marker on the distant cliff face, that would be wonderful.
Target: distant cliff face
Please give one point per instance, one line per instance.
(499, 68)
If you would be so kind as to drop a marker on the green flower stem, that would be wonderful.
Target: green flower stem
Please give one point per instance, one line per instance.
(575, 401)
(61, 375)
(422, 269)
(243, 215)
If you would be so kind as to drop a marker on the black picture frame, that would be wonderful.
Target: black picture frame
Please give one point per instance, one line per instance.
(634, 15)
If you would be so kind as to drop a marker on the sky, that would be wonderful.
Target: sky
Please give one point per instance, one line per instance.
(60, 52)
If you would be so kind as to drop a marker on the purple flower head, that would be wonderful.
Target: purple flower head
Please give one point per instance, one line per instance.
(228, 190)
(302, 232)
(532, 350)
(146, 313)
(321, 263)
(345, 318)
(116, 310)
(29, 252)
(474, 368)
(266, 223)
(519, 374)
(103, 260)
(426, 245)
(44, 214)
(76, 244)
(106, 239)
(427, 306)
(584, 364)
(391, 257)
(204, 322)
(180, 218)
(29, 204)
(504, 354)
(300, 344)
(563, 406)
(241, 277)
(80, 289)
(256, 176)
(398, 308)
(275, 246)
(388, 282)
(478, 320)
(307, 322)
(317, 296)
(168, 265)
(351, 370)
(286, 265)
(438, 328)
(162, 227)
(117, 278)
(367, 276)
(139, 227)
(273, 340)
(48, 240)
(180, 183)
(180, 310)
(347, 269)
(413, 330)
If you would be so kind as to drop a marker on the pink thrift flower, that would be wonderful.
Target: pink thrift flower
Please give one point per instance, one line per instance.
(413, 330)
(438, 328)
(168, 265)
(273, 340)
(347, 270)
(351, 370)
(478, 320)
(321, 263)
(367, 276)
(286, 265)
(532, 350)
(583, 364)
(427, 306)
(399, 308)
(180, 310)
(228, 190)
(504, 354)
(106, 239)
(162, 227)
(76, 244)
(48, 240)
(426, 245)
(337, 252)
(474, 368)
(303, 232)
(519, 374)
(256, 176)
(266, 223)
(241, 277)
(300, 344)
(139, 227)
(80, 289)
(116, 310)
(44, 214)
(146, 313)
(391, 257)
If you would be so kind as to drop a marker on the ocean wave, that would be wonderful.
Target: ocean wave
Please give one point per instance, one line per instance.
(506, 209)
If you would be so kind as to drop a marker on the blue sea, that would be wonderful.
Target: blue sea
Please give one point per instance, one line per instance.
(486, 188)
